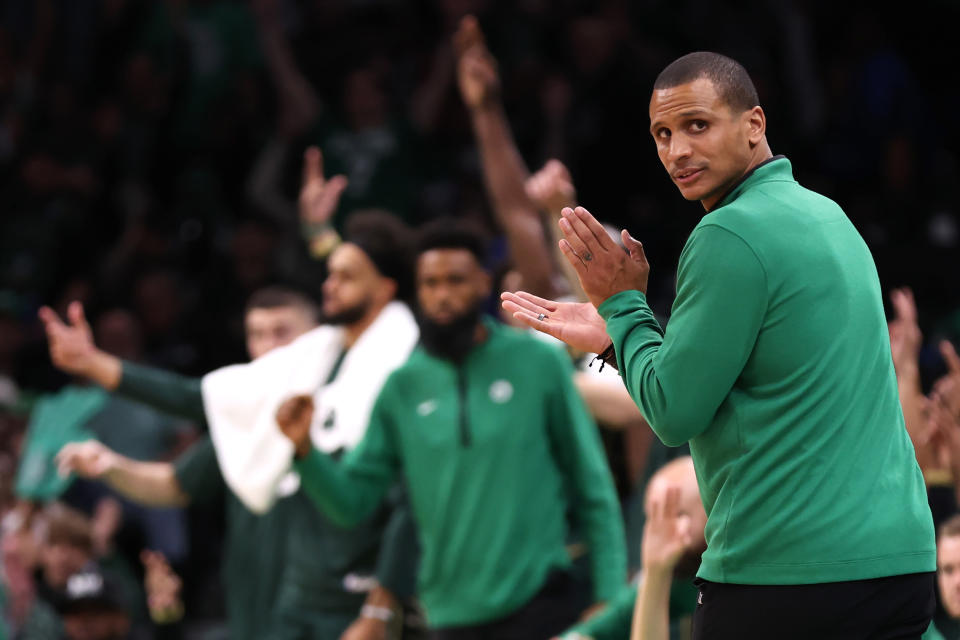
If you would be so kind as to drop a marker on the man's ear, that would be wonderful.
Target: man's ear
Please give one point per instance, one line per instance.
(755, 121)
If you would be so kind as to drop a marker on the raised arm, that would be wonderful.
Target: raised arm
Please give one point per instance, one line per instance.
(504, 171)
(152, 484)
(72, 350)
(666, 535)
(347, 491)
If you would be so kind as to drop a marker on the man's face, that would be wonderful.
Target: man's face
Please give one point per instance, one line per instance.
(703, 144)
(353, 285)
(450, 284)
(948, 573)
(268, 329)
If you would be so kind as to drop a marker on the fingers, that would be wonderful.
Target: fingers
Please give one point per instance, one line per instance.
(904, 305)
(294, 410)
(312, 165)
(337, 184)
(76, 316)
(578, 236)
(634, 247)
(950, 356)
(534, 321)
(468, 35)
(529, 302)
(49, 318)
(595, 228)
(574, 258)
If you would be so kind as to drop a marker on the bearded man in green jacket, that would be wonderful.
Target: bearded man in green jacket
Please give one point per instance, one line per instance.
(775, 367)
(495, 447)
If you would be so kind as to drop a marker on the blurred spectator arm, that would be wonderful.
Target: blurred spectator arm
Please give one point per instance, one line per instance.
(149, 483)
(504, 171)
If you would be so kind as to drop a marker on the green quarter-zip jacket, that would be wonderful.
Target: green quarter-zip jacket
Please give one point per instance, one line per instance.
(493, 452)
(776, 367)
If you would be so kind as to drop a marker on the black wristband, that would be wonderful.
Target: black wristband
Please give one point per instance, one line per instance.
(606, 357)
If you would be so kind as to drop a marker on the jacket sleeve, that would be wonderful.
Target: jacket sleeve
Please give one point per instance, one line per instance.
(169, 392)
(681, 377)
(399, 555)
(582, 461)
(349, 490)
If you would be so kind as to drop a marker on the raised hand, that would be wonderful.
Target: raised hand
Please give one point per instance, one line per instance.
(294, 417)
(946, 390)
(551, 188)
(666, 533)
(71, 344)
(162, 586)
(905, 335)
(476, 69)
(319, 197)
(88, 459)
(601, 265)
(576, 323)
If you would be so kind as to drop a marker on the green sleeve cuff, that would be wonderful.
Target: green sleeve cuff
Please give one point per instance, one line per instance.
(618, 301)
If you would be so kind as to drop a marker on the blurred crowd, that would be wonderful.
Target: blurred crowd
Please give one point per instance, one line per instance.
(163, 160)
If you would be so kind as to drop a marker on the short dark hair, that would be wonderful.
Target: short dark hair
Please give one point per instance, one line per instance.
(386, 240)
(277, 296)
(950, 528)
(68, 526)
(451, 233)
(731, 80)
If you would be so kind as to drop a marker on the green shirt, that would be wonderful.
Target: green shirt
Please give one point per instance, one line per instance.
(254, 555)
(492, 453)
(776, 367)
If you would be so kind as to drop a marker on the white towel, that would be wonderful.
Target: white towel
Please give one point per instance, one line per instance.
(241, 400)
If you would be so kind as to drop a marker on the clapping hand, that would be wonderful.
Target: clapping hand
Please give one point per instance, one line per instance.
(601, 264)
(294, 418)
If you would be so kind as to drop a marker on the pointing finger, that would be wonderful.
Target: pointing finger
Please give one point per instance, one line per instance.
(312, 165)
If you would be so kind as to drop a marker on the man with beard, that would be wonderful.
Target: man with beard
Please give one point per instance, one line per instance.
(673, 541)
(494, 445)
(288, 572)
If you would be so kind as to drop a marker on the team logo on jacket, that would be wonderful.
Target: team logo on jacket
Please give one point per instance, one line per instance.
(426, 407)
(501, 391)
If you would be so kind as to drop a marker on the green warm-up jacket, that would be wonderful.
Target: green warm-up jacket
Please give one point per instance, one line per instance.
(493, 452)
(776, 367)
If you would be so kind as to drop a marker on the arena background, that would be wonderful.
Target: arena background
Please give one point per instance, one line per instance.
(150, 150)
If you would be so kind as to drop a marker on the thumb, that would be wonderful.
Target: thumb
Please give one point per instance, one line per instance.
(634, 246)
(78, 320)
(950, 356)
(337, 184)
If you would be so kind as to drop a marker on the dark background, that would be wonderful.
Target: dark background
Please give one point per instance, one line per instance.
(134, 137)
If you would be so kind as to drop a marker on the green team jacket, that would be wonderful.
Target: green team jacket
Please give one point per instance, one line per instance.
(776, 367)
(492, 453)
(291, 561)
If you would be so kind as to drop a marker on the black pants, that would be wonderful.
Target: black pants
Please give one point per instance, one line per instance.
(554, 609)
(879, 609)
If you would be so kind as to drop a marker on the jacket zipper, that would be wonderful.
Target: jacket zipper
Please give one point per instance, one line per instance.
(464, 424)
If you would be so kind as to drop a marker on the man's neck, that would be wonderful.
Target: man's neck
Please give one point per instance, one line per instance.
(352, 332)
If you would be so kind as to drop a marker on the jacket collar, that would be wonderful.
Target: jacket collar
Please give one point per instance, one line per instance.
(777, 168)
